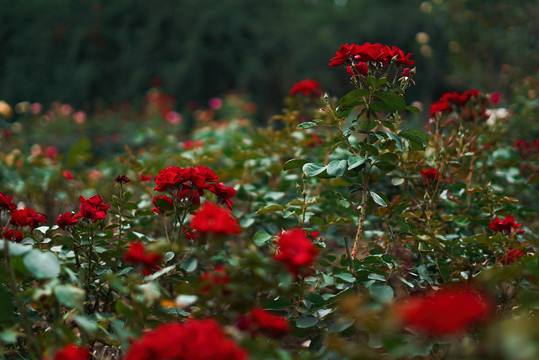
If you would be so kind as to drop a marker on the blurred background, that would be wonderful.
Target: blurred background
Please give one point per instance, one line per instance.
(97, 54)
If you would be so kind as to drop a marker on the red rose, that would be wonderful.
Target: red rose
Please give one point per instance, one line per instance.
(508, 225)
(94, 208)
(224, 194)
(511, 256)
(406, 72)
(217, 278)
(262, 321)
(345, 52)
(430, 174)
(5, 203)
(448, 311)
(162, 204)
(122, 179)
(307, 87)
(27, 216)
(441, 106)
(172, 178)
(361, 68)
(145, 177)
(13, 235)
(72, 352)
(66, 219)
(195, 340)
(295, 251)
(215, 220)
(136, 254)
(67, 175)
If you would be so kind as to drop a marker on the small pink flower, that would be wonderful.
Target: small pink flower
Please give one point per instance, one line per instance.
(66, 109)
(173, 118)
(36, 108)
(79, 117)
(215, 103)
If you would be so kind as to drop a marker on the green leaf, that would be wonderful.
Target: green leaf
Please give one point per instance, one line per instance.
(391, 99)
(294, 164)
(336, 168)
(69, 295)
(88, 325)
(381, 293)
(413, 109)
(306, 125)
(346, 277)
(277, 304)
(312, 169)
(352, 97)
(315, 299)
(6, 304)
(270, 209)
(16, 249)
(261, 237)
(397, 140)
(190, 264)
(378, 199)
(43, 265)
(354, 162)
(417, 139)
(9, 336)
(306, 321)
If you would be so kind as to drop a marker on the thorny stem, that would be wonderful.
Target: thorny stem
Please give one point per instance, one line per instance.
(14, 290)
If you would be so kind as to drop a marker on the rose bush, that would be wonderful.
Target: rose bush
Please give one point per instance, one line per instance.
(339, 233)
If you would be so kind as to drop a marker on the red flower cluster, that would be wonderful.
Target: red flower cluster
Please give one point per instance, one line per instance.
(217, 278)
(188, 184)
(526, 148)
(430, 174)
(195, 340)
(447, 102)
(13, 235)
(72, 352)
(296, 251)
(507, 225)
(448, 311)
(66, 219)
(511, 256)
(370, 52)
(136, 254)
(262, 321)
(93, 208)
(212, 219)
(307, 87)
(6, 204)
(25, 216)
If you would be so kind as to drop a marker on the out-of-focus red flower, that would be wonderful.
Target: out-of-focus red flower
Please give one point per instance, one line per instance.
(13, 235)
(5, 203)
(67, 175)
(449, 311)
(449, 101)
(26, 216)
(211, 279)
(145, 177)
(524, 147)
(137, 255)
(66, 219)
(122, 179)
(511, 256)
(507, 225)
(212, 219)
(52, 152)
(72, 352)
(307, 87)
(188, 233)
(190, 145)
(495, 98)
(430, 174)
(195, 340)
(93, 208)
(295, 251)
(262, 321)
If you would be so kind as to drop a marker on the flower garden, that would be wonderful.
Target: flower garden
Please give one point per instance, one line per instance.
(338, 231)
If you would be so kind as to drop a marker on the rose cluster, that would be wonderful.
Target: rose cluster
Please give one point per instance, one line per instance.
(186, 185)
(19, 217)
(194, 340)
(470, 103)
(368, 52)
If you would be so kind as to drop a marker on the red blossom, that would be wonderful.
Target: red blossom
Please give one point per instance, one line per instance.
(296, 251)
(211, 279)
(145, 177)
(195, 340)
(137, 255)
(307, 87)
(5, 203)
(345, 52)
(449, 311)
(371, 52)
(72, 352)
(190, 145)
(449, 101)
(262, 321)
(122, 179)
(66, 219)
(430, 174)
(212, 219)
(507, 225)
(224, 194)
(162, 204)
(524, 147)
(172, 178)
(361, 68)
(25, 216)
(511, 256)
(67, 175)
(93, 208)
(13, 235)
